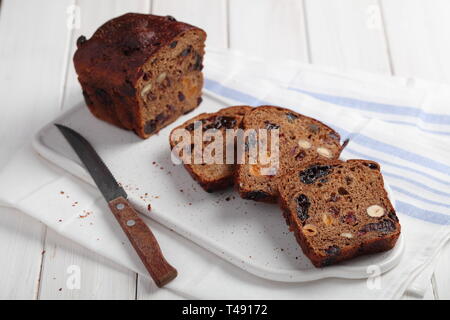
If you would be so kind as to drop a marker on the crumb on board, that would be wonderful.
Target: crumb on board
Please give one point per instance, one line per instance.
(149, 207)
(61, 192)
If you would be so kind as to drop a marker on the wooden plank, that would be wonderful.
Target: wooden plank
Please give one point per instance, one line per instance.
(72, 272)
(347, 34)
(441, 279)
(268, 28)
(418, 33)
(206, 14)
(101, 279)
(32, 64)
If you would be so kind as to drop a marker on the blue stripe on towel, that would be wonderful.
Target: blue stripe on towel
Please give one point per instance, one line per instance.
(379, 107)
(408, 209)
(422, 214)
(415, 196)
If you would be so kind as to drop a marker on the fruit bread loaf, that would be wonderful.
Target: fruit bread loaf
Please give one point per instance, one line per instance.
(301, 139)
(338, 210)
(213, 176)
(141, 72)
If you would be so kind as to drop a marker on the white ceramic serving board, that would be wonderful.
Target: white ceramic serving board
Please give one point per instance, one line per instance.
(252, 236)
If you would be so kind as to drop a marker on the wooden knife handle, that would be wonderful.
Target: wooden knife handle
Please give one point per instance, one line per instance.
(143, 241)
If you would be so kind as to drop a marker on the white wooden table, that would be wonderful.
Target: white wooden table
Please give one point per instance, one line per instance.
(397, 37)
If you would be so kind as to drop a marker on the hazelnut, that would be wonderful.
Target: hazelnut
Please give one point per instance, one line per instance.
(327, 219)
(309, 230)
(304, 144)
(324, 152)
(146, 89)
(347, 235)
(375, 211)
(161, 77)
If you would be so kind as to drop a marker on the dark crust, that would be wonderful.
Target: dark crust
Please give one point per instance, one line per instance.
(372, 246)
(273, 198)
(109, 64)
(225, 182)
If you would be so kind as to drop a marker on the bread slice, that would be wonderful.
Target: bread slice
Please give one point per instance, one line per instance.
(214, 176)
(141, 72)
(339, 210)
(301, 139)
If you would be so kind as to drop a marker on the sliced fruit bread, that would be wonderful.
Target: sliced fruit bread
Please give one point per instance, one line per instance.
(213, 176)
(339, 210)
(301, 139)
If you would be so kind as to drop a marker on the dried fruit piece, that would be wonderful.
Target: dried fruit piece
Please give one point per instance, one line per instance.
(324, 152)
(375, 211)
(181, 96)
(304, 144)
(256, 195)
(309, 230)
(303, 205)
(347, 235)
(291, 117)
(313, 173)
(384, 226)
(271, 126)
(327, 219)
(342, 191)
(349, 219)
(333, 251)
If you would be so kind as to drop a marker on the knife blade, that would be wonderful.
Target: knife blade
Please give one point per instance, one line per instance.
(139, 234)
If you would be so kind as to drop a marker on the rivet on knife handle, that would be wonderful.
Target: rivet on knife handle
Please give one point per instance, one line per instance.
(143, 241)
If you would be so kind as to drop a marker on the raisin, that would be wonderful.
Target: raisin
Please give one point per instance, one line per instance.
(342, 191)
(221, 122)
(350, 219)
(186, 51)
(393, 216)
(198, 62)
(80, 41)
(384, 226)
(199, 100)
(150, 126)
(173, 44)
(333, 251)
(314, 173)
(314, 128)
(130, 46)
(103, 96)
(291, 117)
(348, 180)
(372, 165)
(146, 76)
(303, 205)
(170, 18)
(334, 210)
(181, 96)
(270, 125)
(300, 156)
(333, 136)
(333, 197)
(256, 195)
(161, 117)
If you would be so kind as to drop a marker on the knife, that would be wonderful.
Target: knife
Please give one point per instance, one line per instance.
(139, 234)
